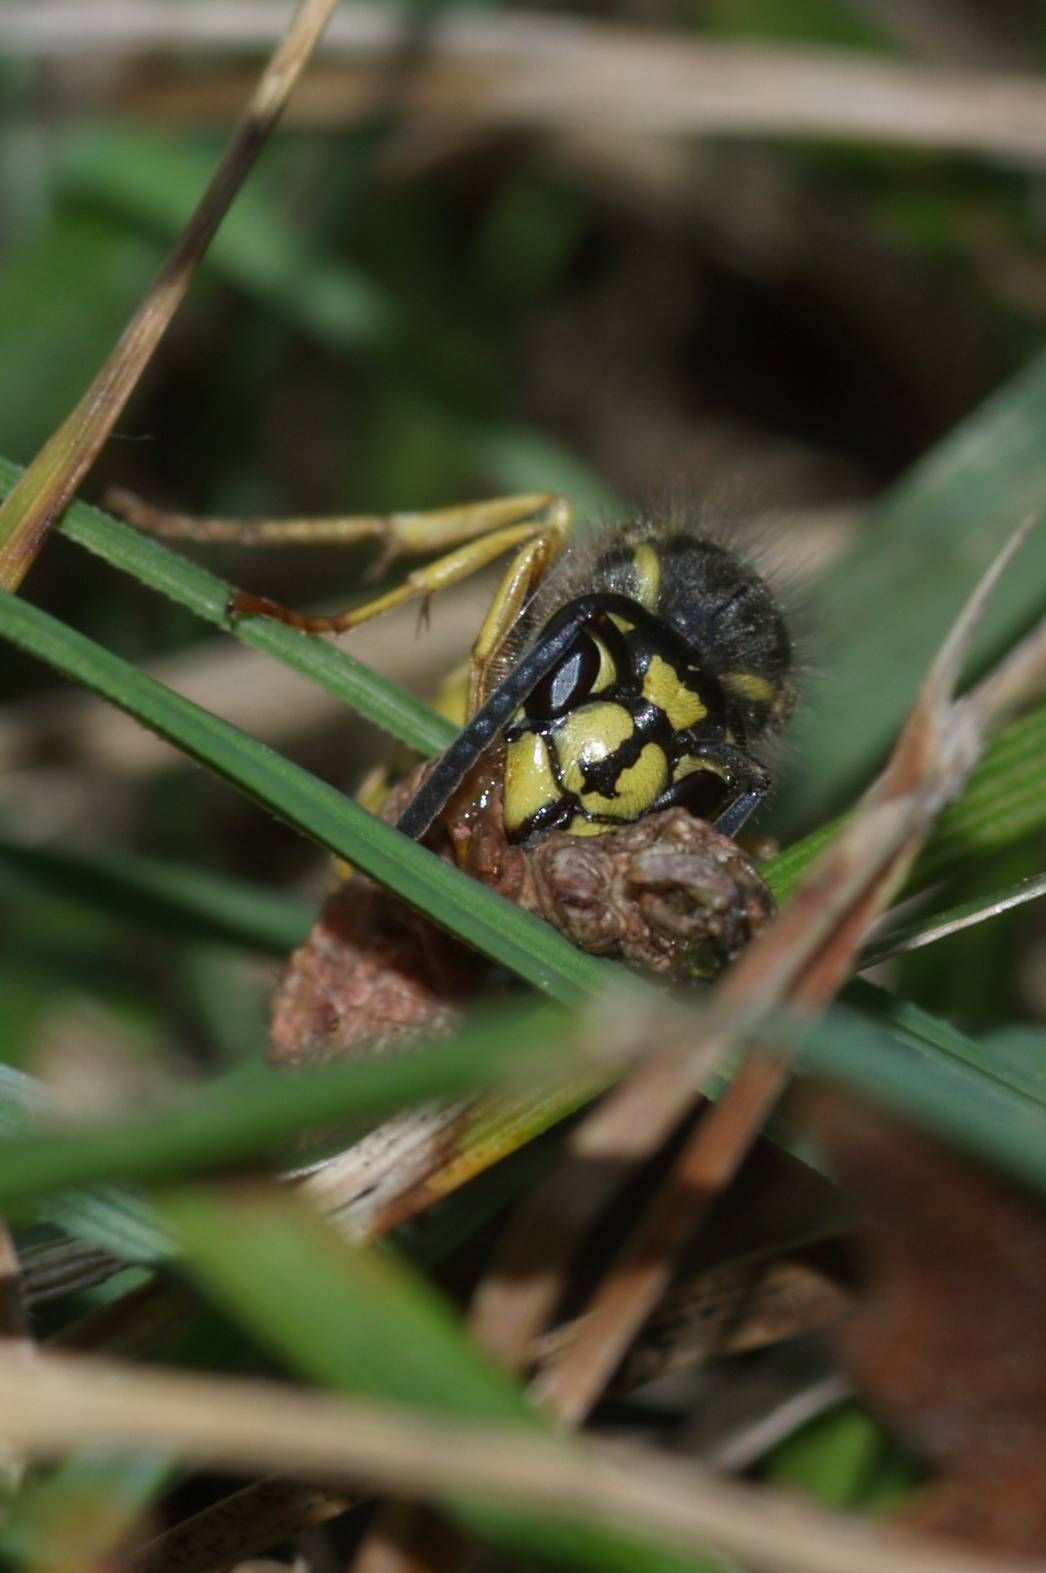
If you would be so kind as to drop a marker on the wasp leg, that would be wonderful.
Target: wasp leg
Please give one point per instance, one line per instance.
(522, 577)
(424, 582)
(480, 531)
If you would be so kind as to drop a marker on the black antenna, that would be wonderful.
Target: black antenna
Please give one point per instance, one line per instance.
(492, 718)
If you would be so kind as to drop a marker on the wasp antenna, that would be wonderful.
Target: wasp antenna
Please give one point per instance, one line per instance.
(491, 719)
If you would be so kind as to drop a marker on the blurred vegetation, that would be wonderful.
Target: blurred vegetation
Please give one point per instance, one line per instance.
(399, 315)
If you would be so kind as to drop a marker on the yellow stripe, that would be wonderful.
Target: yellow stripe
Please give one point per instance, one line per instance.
(749, 685)
(529, 782)
(663, 686)
(647, 565)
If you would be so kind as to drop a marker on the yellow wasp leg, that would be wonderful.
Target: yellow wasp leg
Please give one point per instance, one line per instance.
(522, 577)
(475, 554)
(401, 534)
(423, 530)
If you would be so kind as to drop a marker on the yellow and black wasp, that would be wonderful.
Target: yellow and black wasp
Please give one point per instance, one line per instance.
(632, 671)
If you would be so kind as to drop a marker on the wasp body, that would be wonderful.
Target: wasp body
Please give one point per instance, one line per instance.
(622, 673)
(638, 678)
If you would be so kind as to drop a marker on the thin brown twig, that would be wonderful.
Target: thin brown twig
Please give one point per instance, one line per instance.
(50, 482)
(54, 1405)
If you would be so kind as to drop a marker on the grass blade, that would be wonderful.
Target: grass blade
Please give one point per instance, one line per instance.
(105, 1215)
(1004, 801)
(894, 597)
(202, 592)
(523, 944)
(254, 1112)
(169, 898)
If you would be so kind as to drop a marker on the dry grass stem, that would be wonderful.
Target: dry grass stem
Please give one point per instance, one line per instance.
(1018, 681)
(57, 1405)
(559, 72)
(50, 482)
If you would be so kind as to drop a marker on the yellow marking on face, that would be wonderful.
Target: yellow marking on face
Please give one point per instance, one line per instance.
(587, 735)
(637, 787)
(580, 826)
(647, 566)
(749, 685)
(621, 623)
(529, 782)
(607, 673)
(664, 687)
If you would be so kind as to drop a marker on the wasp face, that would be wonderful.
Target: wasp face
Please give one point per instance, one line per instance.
(654, 669)
(680, 659)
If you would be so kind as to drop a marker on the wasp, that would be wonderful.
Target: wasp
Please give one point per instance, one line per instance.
(621, 671)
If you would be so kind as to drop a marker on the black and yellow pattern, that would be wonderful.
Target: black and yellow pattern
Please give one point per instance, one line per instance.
(654, 669)
(621, 676)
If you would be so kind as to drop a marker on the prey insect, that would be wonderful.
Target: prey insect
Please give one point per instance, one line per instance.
(629, 672)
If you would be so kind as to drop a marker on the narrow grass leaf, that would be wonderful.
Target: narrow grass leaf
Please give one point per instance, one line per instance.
(253, 1112)
(169, 898)
(1004, 801)
(936, 926)
(518, 941)
(943, 1094)
(103, 1214)
(151, 563)
(890, 602)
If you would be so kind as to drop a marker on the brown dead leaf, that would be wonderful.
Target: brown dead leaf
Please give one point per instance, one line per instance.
(948, 1338)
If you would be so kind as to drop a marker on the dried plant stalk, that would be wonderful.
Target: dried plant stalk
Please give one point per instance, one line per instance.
(55, 1404)
(50, 482)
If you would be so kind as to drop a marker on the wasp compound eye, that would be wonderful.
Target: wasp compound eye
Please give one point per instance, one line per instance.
(568, 684)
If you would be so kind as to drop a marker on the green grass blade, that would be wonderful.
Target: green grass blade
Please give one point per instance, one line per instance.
(892, 600)
(151, 563)
(103, 1214)
(253, 1112)
(938, 925)
(1004, 801)
(169, 898)
(948, 1094)
(515, 939)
